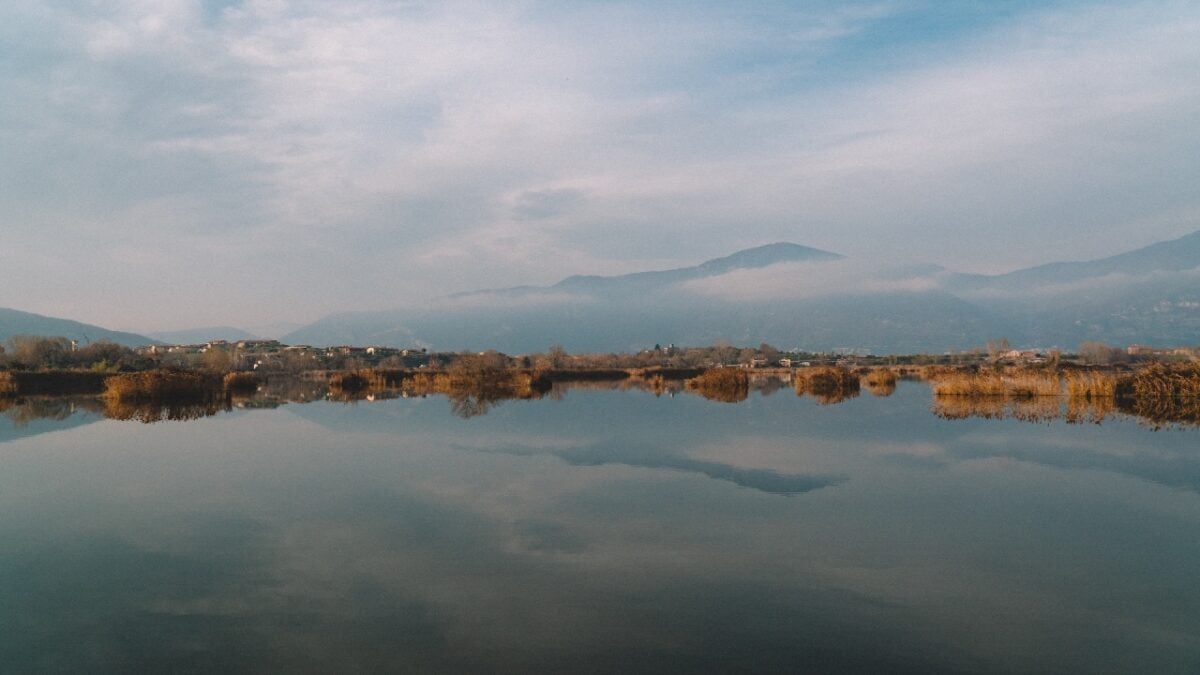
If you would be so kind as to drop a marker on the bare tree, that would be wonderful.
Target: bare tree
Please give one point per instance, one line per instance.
(1096, 353)
(997, 348)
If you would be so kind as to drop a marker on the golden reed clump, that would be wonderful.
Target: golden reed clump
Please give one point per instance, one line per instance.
(729, 385)
(1162, 394)
(880, 381)
(1018, 383)
(1158, 394)
(241, 383)
(827, 384)
(164, 385)
(1091, 384)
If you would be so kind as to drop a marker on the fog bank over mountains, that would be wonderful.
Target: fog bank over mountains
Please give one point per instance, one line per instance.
(795, 296)
(785, 294)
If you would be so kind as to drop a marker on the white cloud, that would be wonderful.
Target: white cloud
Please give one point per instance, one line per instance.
(436, 147)
(812, 280)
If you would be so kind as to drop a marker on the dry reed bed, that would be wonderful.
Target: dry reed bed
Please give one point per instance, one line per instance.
(150, 412)
(241, 382)
(51, 382)
(1162, 381)
(164, 385)
(880, 377)
(1162, 394)
(1015, 384)
(729, 385)
(491, 383)
(880, 381)
(828, 384)
(1091, 384)
(1159, 394)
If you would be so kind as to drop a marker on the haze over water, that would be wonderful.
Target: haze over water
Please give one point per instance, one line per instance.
(606, 530)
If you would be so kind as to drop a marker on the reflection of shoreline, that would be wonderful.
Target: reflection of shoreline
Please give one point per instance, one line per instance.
(1157, 413)
(1150, 396)
(1157, 395)
(23, 410)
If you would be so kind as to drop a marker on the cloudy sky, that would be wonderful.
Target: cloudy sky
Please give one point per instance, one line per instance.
(178, 163)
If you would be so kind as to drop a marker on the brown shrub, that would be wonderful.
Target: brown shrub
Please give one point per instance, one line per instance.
(241, 383)
(729, 385)
(880, 381)
(828, 384)
(1012, 383)
(164, 385)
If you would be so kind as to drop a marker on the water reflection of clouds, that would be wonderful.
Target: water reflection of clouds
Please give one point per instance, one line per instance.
(1172, 469)
(380, 538)
(652, 457)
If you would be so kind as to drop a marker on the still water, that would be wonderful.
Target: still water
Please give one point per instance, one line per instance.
(598, 531)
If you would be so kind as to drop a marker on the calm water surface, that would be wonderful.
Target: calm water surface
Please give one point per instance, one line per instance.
(606, 531)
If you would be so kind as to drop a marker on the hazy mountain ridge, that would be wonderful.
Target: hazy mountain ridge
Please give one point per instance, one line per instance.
(1148, 295)
(760, 256)
(200, 335)
(784, 294)
(1167, 256)
(15, 322)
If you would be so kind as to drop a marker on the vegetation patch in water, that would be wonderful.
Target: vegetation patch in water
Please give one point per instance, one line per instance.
(729, 385)
(164, 385)
(827, 384)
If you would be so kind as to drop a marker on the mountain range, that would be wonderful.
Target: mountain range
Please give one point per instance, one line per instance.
(796, 296)
(15, 322)
(785, 294)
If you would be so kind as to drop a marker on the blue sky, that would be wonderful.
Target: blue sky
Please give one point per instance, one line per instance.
(183, 163)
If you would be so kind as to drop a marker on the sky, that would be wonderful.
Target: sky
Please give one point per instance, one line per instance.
(172, 164)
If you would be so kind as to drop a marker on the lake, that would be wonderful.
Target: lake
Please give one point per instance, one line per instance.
(597, 531)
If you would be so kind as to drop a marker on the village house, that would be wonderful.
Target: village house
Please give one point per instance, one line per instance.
(259, 345)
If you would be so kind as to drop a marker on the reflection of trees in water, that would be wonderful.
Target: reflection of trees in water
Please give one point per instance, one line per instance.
(23, 410)
(1156, 412)
(1080, 409)
(767, 385)
(881, 389)
(828, 385)
(355, 396)
(151, 412)
(475, 391)
(1163, 411)
(1158, 394)
(880, 382)
(278, 390)
(728, 385)
(654, 384)
(467, 404)
(1025, 408)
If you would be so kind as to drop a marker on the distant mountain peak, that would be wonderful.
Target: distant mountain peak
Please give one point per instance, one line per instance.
(751, 258)
(1165, 256)
(1147, 296)
(768, 254)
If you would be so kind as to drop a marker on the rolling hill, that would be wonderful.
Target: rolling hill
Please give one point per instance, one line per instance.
(15, 322)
